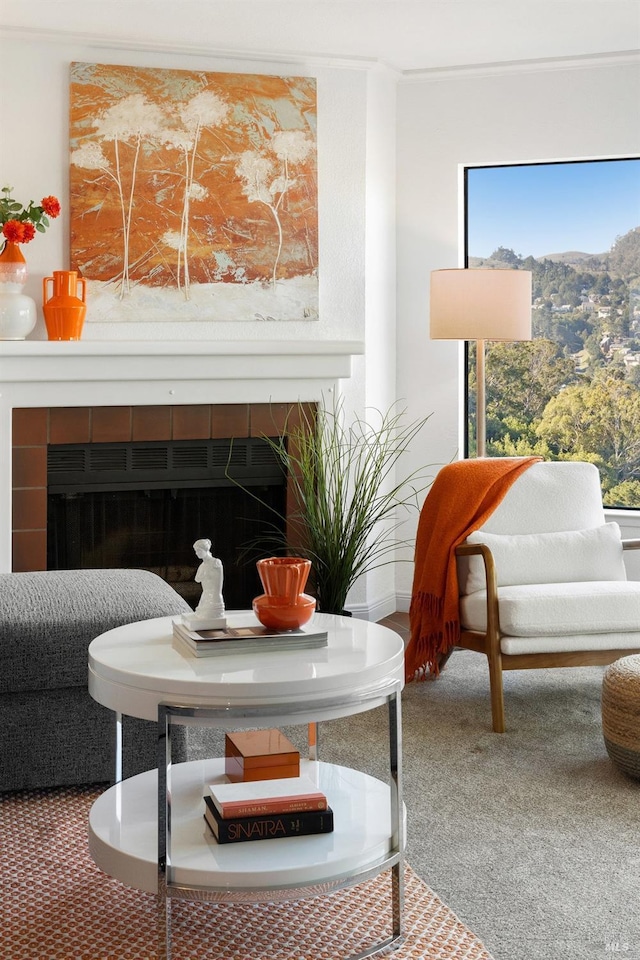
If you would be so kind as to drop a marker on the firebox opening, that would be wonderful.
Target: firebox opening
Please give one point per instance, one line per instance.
(142, 505)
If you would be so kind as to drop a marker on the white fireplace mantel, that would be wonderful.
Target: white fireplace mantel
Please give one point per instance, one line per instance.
(45, 373)
(36, 373)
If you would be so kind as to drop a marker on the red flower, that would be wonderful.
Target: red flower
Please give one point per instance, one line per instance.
(28, 232)
(13, 230)
(51, 206)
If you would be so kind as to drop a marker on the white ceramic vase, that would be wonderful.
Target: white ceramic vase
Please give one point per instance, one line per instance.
(17, 311)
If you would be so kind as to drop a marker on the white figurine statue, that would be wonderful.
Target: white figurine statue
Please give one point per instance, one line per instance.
(209, 613)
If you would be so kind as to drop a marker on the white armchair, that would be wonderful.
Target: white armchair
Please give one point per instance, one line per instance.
(543, 583)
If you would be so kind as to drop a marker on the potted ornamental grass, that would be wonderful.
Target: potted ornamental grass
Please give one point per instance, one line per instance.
(347, 498)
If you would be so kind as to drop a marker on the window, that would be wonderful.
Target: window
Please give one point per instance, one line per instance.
(573, 392)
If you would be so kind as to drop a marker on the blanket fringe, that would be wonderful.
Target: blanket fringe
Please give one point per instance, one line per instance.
(431, 647)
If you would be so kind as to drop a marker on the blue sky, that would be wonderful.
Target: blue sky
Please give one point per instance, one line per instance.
(536, 209)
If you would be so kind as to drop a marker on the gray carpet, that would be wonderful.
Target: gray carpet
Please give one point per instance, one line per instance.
(531, 837)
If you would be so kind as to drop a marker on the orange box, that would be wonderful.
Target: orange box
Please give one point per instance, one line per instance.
(260, 755)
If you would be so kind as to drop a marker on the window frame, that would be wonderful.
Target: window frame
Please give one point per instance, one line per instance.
(466, 168)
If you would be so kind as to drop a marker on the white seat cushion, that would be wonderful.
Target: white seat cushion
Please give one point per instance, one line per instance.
(559, 609)
(594, 554)
(570, 644)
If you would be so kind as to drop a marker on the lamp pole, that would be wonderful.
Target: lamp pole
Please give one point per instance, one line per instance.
(481, 402)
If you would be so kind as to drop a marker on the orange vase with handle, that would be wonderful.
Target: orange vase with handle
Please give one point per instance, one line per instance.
(64, 311)
(283, 605)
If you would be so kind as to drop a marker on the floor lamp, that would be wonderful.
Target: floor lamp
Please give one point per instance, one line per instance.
(480, 305)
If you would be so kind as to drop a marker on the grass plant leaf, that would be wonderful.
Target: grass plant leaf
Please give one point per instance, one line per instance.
(347, 497)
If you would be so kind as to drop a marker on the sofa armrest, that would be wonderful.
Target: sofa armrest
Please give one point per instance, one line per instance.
(481, 549)
(493, 610)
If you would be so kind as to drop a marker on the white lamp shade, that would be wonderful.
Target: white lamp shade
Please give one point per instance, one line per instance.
(480, 305)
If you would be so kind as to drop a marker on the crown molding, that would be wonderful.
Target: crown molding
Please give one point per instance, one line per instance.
(309, 61)
(543, 65)
(299, 59)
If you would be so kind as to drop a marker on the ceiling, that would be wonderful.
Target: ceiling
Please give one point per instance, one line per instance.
(407, 35)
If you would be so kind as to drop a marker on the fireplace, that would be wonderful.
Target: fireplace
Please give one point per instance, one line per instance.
(143, 504)
(149, 389)
(141, 497)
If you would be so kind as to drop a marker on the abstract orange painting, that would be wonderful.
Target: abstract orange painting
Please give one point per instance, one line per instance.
(193, 194)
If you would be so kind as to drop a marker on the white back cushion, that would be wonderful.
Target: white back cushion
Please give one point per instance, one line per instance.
(564, 557)
(549, 496)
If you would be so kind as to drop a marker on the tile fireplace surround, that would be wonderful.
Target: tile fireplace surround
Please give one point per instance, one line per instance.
(212, 386)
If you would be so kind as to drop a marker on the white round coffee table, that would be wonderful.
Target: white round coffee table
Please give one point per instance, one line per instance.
(135, 667)
(136, 670)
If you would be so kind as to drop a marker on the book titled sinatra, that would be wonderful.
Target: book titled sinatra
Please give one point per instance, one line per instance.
(267, 827)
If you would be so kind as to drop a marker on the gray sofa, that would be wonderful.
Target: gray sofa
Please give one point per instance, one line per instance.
(51, 732)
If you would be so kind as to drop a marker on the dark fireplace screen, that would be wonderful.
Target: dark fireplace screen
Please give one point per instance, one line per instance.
(143, 506)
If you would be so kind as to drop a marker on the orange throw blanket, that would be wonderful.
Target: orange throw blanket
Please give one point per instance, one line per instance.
(463, 495)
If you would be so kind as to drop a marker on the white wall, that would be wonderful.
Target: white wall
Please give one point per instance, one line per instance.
(380, 392)
(449, 120)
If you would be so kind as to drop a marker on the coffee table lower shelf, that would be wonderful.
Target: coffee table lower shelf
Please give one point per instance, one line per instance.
(123, 838)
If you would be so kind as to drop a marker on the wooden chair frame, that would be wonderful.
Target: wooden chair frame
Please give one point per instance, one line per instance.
(488, 642)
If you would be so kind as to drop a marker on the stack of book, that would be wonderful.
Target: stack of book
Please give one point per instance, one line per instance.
(243, 639)
(264, 810)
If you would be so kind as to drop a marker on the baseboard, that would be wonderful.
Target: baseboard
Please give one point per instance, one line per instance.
(377, 610)
(403, 602)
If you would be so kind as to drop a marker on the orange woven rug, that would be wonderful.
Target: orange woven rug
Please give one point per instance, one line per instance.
(57, 905)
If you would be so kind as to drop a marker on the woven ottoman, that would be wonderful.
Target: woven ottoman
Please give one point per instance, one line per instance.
(621, 713)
